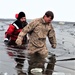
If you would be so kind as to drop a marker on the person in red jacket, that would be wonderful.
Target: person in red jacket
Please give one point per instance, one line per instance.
(10, 38)
(15, 28)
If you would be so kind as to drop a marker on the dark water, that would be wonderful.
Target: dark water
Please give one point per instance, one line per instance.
(65, 52)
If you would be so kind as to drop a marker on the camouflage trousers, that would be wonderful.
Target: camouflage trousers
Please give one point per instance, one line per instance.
(36, 61)
(40, 50)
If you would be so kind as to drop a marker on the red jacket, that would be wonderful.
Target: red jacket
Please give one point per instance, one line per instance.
(12, 32)
(14, 29)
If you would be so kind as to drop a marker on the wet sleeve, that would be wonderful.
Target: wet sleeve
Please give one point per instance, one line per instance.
(52, 37)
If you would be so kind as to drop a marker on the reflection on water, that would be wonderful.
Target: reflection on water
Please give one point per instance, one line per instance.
(20, 61)
(34, 61)
(19, 56)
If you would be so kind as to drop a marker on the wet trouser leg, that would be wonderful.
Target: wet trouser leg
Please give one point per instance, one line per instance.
(20, 61)
(50, 65)
(35, 61)
(20, 58)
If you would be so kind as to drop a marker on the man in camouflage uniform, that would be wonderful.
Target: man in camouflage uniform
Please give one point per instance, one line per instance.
(38, 30)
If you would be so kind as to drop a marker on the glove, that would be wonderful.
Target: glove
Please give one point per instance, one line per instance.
(18, 41)
(54, 46)
(6, 41)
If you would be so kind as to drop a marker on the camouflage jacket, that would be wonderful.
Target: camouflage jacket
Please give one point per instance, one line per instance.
(38, 31)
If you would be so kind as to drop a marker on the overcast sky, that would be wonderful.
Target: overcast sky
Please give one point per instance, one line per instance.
(63, 9)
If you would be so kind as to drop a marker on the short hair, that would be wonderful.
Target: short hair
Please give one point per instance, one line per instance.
(49, 13)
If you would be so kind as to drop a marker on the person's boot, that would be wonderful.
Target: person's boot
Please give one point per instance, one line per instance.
(50, 65)
(36, 71)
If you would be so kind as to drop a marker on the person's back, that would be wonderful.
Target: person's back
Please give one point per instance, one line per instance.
(14, 29)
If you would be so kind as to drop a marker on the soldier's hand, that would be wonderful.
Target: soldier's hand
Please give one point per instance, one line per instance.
(18, 41)
(54, 46)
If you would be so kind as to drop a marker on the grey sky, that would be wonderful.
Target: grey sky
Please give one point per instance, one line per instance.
(63, 9)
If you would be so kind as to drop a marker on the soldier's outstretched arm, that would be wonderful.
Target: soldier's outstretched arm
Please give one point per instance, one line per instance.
(24, 31)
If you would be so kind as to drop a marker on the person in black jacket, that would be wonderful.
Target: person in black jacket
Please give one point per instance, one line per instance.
(15, 28)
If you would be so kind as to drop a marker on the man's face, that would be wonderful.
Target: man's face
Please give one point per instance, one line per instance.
(23, 19)
(47, 19)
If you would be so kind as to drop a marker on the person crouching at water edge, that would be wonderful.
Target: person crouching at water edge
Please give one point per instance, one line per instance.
(37, 31)
(14, 29)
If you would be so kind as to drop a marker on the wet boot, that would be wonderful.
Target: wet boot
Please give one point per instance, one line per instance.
(50, 65)
(36, 62)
